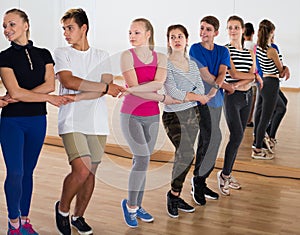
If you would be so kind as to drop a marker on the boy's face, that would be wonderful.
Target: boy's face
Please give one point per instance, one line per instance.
(72, 32)
(207, 32)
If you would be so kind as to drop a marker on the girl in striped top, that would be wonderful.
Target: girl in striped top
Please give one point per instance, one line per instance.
(181, 121)
(237, 106)
(271, 67)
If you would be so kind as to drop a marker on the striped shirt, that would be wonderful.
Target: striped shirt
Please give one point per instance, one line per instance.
(179, 83)
(267, 65)
(241, 59)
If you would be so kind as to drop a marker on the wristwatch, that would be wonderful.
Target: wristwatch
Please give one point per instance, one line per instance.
(216, 86)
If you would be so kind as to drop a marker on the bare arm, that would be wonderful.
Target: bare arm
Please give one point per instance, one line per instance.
(69, 81)
(130, 77)
(273, 55)
(20, 94)
(49, 84)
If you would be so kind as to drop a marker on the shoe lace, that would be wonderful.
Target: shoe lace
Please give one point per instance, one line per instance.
(142, 211)
(132, 216)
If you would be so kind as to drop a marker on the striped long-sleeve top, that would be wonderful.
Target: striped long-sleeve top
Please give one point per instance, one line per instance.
(179, 82)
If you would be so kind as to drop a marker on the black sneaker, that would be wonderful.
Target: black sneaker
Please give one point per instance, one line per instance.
(172, 205)
(210, 194)
(197, 192)
(62, 222)
(82, 227)
(183, 206)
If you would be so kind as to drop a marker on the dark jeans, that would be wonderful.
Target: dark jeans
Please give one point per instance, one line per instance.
(237, 107)
(278, 115)
(265, 105)
(205, 162)
(182, 128)
(203, 140)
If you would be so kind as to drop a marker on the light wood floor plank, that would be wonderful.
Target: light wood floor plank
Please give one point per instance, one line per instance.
(263, 206)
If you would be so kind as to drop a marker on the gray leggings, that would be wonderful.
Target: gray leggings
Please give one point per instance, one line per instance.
(140, 133)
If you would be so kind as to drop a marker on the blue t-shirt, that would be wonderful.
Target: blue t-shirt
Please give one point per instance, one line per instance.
(212, 59)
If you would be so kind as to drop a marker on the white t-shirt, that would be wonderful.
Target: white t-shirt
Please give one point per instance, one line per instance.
(249, 45)
(85, 116)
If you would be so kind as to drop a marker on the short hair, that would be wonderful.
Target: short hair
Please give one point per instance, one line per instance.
(249, 29)
(79, 15)
(212, 20)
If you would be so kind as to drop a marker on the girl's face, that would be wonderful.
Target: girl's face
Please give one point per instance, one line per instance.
(207, 32)
(14, 27)
(177, 40)
(235, 30)
(138, 36)
(72, 32)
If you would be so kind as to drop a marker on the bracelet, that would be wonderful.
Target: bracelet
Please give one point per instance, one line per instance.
(106, 89)
(164, 98)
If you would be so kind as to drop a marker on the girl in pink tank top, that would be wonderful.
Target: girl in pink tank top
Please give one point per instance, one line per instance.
(144, 72)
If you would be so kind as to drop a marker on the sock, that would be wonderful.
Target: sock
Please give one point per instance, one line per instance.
(23, 221)
(74, 218)
(131, 210)
(65, 214)
(15, 225)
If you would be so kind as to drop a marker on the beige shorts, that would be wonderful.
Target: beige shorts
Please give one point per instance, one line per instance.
(80, 145)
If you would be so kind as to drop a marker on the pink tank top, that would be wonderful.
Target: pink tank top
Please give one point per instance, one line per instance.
(145, 73)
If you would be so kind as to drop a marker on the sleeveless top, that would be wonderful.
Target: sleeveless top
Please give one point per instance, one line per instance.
(241, 59)
(267, 65)
(145, 73)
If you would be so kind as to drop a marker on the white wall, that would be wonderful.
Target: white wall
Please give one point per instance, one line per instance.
(110, 20)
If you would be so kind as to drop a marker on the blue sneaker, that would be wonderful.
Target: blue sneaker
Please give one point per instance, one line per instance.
(144, 215)
(129, 217)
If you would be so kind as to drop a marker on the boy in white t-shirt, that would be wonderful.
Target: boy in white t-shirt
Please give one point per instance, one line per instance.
(85, 75)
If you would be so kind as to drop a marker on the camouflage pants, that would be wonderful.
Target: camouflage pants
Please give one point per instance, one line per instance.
(182, 128)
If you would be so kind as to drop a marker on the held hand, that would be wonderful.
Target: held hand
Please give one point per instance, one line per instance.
(230, 89)
(58, 100)
(114, 90)
(212, 93)
(170, 100)
(124, 93)
(3, 103)
(8, 99)
(285, 73)
(71, 97)
(203, 99)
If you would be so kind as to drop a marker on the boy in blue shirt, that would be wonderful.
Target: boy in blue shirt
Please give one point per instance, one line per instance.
(213, 61)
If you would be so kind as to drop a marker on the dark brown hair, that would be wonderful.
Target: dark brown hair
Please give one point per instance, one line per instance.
(79, 15)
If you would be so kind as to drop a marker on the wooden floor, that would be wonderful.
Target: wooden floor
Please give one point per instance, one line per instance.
(267, 204)
(263, 206)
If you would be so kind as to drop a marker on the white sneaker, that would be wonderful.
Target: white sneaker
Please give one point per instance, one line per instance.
(223, 184)
(233, 183)
(261, 155)
(267, 144)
